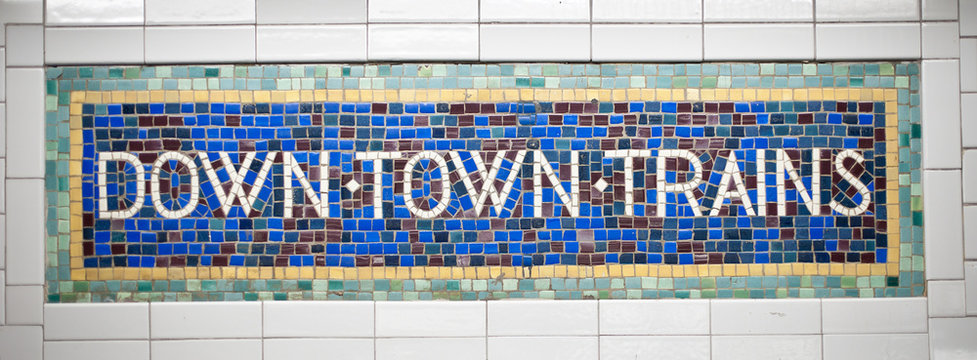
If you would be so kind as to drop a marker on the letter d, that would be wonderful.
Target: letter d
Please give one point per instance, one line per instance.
(103, 205)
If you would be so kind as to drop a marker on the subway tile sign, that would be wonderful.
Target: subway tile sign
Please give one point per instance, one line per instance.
(461, 181)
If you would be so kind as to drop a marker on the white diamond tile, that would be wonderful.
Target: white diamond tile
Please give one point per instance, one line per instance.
(25, 45)
(310, 11)
(758, 10)
(660, 317)
(647, 11)
(793, 316)
(311, 43)
(752, 42)
(423, 11)
(535, 317)
(189, 12)
(428, 41)
(866, 10)
(170, 44)
(430, 348)
(318, 319)
(946, 298)
(237, 349)
(21, 343)
(867, 41)
(866, 316)
(876, 347)
(550, 42)
(943, 225)
(25, 305)
(25, 112)
(25, 232)
(654, 347)
(352, 185)
(97, 350)
(205, 320)
(939, 9)
(615, 42)
(430, 319)
(941, 40)
(564, 348)
(102, 45)
(940, 114)
(94, 12)
(775, 347)
(535, 11)
(96, 321)
(290, 349)
(953, 338)
(600, 184)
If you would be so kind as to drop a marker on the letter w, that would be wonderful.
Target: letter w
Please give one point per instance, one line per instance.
(237, 180)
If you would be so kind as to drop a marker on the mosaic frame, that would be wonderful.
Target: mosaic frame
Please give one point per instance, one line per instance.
(894, 83)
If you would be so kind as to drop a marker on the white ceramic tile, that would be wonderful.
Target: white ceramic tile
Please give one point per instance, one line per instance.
(102, 45)
(311, 43)
(3, 76)
(946, 298)
(3, 297)
(866, 316)
(941, 40)
(968, 65)
(20, 12)
(96, 350)
(430, 348)
(968, 17)
(660, 317)
(411, 319)
(970, 232)
(618, 42)
(21, 343)
(25, 45)
(535, 11)
(165, 12)
(968, 111)
(25, 232)
(564, 348)
(647, 10)
(970, 274)
(128, 321)
(318, 319)
(758, 10)
(866, 10)
(539, 317)
(940, 114)
(876, 347)
(654, 347)
(943, 230)
(423, 11)
(3, 195)
(557, 42)
(793, 316)
(206, 43)
(939, 9)
(970, 176)
(311, 11)
(953, 339)
(794, 347)
(346, 349)
(759, 42)
(3, 239)
(25, 305)
(25, 112)
(95, 12)
(867, 41)
(205, 320)
(206, 349)
(428, 42)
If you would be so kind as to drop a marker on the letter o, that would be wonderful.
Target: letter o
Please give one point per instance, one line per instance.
(445, 185)
(194, 185)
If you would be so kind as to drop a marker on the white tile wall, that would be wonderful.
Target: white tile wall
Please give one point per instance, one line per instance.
(968, 109)
(430, 319)
(939, 9)
(207, 320)
(24, 106)
(970, 232)
(661, 317)
(759, 42)
(876, 346)
(866, 10)
(654, 347)
(557, 42)
(3, 297)
(25, 45)
(568, 348)
(640, 42)
(3, 81)
(25, 305)
(96, 350)
(95, 12)
(164, 12)
(3, 239)
(25, 232)
(647, 10)
(436, 42)
(940, 114)
(943, 225)
(171, 44)
(296, 43)
(970, 273)
(103, 45)
(509, 318)
(867, 41)
(968, 17)
(21, 343)
(741, 317)
(238, 349)
(423, 11)
(540, 10)
(775, 347)
(20, 12)
(346, 349)
(947, 298)
(96, 321)
(318, 319)
(941, 40)
(758, 10)
(882, 316)
(968, 65)
(953, 339)
(310, 11)
(437, 348)
(970, 176)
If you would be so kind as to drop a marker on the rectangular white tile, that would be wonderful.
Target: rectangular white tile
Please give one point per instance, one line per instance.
(654, 347)
(20, 12)
(968, 65)
(311, 11)
(941, 40)
(940, 106)
(866, 10)
(430, 348)
(21, 343)
(188, 12)
(544, 318)
(946, 298)
(247, 349)
(172, 44)
(617, 42)
(428, 42)
(774, 347)
(970, 232)
(792, 316)
(970, 176)
(968, 17)
(647, 10)
(25, 305)
(882, 316)
(290, 349)
(127, 321)
(25, 232)
(3, 238)
(867, 41)
(556, 42)
(970, 276)
(428, 319)
(3, 76)
(25, 113)
(423, 11)
(939, 9)
(101, 45)
(953, 338)
(759, 42)
(25, 45)
(968, 118)
(97, 350)
(3, 196)
(94, 12)
(205, 320)
(758, 10)
(3, 297)
(311, 43)
(660, 317)
(943, 220)
(876, 347)
(538, 347)
(318, 319)
(535, 11)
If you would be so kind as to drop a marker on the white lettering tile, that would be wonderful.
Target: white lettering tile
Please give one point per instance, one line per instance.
(943, 220)
(619, 42)
(187, 12)
(25, 112)
(535, 11)
(25, 232)
(556, 42)
(968, 65)
(21, 343)
(794, 316)
(346, 349)
(311, 43)
(647, 10)
(414, 42)
(654, 347)
(95, 12)
(25, 305)
(883, 316)
(311, 11)
(205, 320)
(171, 44)
(939, 9)
(423, 11)
(941, 40)
(20, 12)
(876, 346)
(96, 321)
(568, 348)
(953, 338)
(97, 350)
(970, 276)
(318, 319)
(795, 347)
(946, 298)
(743, 42)
(103, 45)
(866, 10)
(660, 317)
(758, 10)
(536, 317)
(867, 41)
(25, 45)
(430, 349)
(249, 349)
(941, 114)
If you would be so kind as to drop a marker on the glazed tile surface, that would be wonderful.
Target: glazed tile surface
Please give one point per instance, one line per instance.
(466, 182)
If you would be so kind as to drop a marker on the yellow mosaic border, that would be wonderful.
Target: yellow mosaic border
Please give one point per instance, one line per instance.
(78, 272)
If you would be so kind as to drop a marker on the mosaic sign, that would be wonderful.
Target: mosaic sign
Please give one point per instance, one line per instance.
(424, 181)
